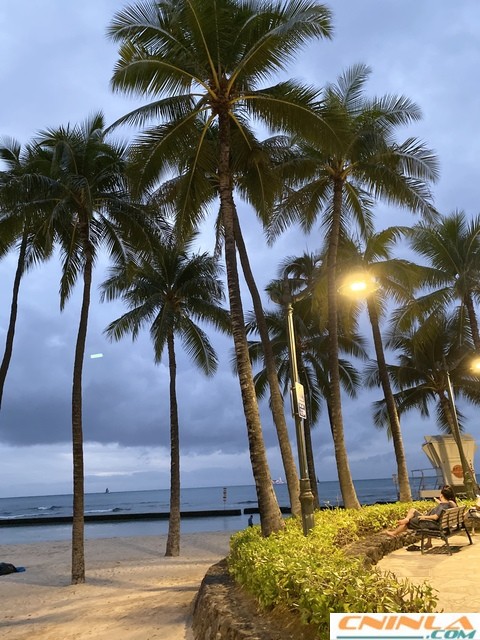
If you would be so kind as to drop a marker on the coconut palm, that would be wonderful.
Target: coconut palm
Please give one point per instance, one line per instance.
(339, 179)
(171, 290)
(20, 226)
(311, 348)
(276, 401)
(394, 279)
(88, 206)
(432, 355)
(451, 246)
(257, 182)
(202, 63)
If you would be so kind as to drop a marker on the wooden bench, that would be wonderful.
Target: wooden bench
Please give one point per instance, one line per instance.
(451, 522)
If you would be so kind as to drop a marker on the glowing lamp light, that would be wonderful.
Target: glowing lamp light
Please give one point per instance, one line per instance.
(93, 356)
(475, 365)
(358, 285)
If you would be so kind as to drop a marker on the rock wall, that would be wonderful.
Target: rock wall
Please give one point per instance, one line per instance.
(223, 611)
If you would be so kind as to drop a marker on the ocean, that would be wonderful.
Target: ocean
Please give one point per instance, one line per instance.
(218, 499)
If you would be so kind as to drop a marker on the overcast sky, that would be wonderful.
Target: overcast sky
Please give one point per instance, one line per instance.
(55, 68)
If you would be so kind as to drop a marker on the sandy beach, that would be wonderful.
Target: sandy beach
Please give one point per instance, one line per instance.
(132, 592)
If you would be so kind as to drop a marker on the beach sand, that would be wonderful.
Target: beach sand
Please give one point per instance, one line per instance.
(132, 592)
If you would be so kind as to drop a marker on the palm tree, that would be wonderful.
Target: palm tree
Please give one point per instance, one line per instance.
(339, 178)
(433, 355)
(451, 246)
(171, 290)
(202, 62)
(311, 348)
(276, 400)
(257, 181)
(394, 278)
(20, 225)
(88, 205)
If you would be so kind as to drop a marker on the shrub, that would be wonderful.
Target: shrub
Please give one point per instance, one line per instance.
(312, 575)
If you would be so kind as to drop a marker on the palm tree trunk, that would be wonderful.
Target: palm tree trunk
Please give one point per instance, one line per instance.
(395, 428)
(7, 356)
(270, 516)
(78, 545)
(347, 487)
(276, 398)
(472, 317)
(447, 403)
(173, 538)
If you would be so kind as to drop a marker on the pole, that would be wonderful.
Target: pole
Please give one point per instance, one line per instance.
(467, 475)
(298, 411)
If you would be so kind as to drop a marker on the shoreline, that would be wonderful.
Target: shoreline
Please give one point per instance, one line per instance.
(132, 590)
(107, 530)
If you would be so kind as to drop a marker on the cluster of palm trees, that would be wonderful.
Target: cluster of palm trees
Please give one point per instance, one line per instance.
(202, 66)
(430, 333)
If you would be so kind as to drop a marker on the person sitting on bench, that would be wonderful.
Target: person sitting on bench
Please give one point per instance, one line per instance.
(416, 520)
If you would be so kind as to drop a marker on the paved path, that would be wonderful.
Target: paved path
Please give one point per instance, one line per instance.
(455, 577)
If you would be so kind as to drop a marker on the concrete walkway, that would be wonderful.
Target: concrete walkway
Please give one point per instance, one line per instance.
(456, 578)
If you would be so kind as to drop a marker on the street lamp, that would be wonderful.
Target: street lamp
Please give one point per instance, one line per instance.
(299, 413)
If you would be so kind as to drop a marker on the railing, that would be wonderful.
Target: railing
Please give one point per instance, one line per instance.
(425, 482)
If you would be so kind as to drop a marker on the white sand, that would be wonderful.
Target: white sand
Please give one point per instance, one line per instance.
(132, 592)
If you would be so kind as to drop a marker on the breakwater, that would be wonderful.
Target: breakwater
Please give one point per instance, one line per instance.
(129, 517)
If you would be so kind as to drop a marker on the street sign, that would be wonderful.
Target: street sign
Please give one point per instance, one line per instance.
(297, 397)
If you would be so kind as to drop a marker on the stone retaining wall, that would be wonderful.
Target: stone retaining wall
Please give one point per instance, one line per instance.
(224, 611)
(378, 545)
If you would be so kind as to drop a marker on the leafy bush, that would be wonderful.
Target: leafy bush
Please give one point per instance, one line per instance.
(313, 576)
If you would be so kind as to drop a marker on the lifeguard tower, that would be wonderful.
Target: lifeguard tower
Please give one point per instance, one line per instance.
(442, 451)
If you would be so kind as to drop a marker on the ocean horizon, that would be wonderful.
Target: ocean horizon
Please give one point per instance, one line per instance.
(218, 499)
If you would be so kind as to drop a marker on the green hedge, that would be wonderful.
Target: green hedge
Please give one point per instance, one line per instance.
(312, 575)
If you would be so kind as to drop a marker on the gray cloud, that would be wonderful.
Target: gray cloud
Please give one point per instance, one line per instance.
(56, 67)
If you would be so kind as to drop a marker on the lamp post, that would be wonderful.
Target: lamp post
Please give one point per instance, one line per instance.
(297, 398)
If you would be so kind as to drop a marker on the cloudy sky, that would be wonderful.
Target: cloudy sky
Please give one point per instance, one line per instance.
(55, 68)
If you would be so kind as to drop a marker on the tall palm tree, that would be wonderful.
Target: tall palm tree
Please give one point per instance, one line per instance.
(431, 355)
(202, 63)
(394, 279)
(88, 205)
(276, 400)
(311, 348)
(339, 179)
(20, 226)
(257, 182)
(171, 290)
(451, 246)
